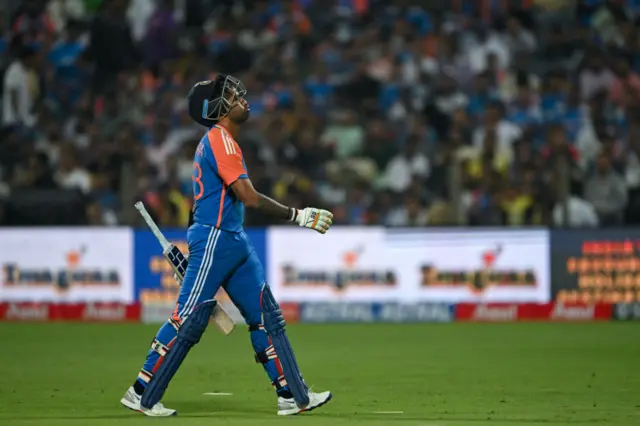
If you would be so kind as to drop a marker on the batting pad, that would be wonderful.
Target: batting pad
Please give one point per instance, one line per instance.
(274, 326)
(189, 334)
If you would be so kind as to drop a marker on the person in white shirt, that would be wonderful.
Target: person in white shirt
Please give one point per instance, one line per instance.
(506, 132)
(412, 213)
(581, 214)
(487, 43)
(70, 175)
(400, 170)
(518, 39)
(595, 77)
(20, 89)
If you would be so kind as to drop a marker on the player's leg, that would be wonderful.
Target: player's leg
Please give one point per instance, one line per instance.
(244, 289)
(198, 285)
(159, 346)
(194, 309)
(247, 289)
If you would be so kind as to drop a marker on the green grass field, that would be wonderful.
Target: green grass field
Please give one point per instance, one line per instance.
(436, 375)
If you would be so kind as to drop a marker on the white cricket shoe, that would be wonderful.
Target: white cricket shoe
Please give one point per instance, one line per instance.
(131, 400)
(288, 407)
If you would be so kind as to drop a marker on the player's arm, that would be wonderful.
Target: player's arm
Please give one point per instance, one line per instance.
(233, 173)
(244, 190)
(316, 219)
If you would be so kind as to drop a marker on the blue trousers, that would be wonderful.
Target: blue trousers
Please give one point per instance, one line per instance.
(220, 259)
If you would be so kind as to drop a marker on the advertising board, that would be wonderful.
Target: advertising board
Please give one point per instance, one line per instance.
(596, 265)
(626, 312)
(76, 312)
(345, 264)
(408, 266)
(337, 312)
(456, 266)
(510, 312)
(66, 265)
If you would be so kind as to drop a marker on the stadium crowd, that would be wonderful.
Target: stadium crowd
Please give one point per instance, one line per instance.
(393, 112)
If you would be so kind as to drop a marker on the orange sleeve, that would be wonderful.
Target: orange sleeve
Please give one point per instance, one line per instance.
(227, 156)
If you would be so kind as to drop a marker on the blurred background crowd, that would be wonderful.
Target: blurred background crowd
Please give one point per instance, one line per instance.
(393, 112)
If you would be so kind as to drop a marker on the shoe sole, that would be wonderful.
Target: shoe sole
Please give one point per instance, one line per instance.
(304, 410)
(130, 406)
(127, 404)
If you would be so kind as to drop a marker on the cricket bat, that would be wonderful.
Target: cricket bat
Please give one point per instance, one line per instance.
(178, 263)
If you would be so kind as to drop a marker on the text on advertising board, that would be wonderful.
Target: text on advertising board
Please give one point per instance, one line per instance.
(606, 271)
(480, 279)
(350, 274)
(63, 278)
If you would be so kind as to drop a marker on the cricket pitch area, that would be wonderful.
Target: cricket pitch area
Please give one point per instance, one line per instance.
(556, 374)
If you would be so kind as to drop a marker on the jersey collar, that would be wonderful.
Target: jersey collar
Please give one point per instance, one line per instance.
(220, 126)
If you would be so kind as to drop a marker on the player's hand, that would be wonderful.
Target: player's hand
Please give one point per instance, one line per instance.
(316, 219)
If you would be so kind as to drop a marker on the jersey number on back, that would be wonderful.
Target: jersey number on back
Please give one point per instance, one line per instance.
(197, 178)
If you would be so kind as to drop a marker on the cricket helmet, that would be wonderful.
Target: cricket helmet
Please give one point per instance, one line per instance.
(211, 100)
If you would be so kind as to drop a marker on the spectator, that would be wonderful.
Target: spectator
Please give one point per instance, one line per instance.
(161, 33)
(595, 77)
(607, 192)
(62, 12)
(482, 94)
(487, 44)
(485, 207)
(169, 207)
(559, 154)
(625, 90)
(490, 157)
(140, 13)
(400, 170)
(32, 24)
(333, 193)
(519, 40)
(506, 133)
(109, 29)
(449, 97)
(21, 90)
(412, 213)
(581, 214)
(464, 114)
(345, 136)
(525, 108)
(70, 175)
(515, 204)
(37, 174)
(159, 150)
(69, 72)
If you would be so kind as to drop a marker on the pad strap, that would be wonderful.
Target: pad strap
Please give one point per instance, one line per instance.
(145, 375)
(256, 327)
(174, 323)
(266, 355)
(280, 383)
(158, 347)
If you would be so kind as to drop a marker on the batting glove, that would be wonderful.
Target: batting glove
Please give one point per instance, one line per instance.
(312, 218)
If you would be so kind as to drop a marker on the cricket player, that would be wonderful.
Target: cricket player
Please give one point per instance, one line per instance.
(220, 254)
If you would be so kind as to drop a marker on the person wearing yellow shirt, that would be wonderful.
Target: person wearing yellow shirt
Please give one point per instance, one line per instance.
(490, 157)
